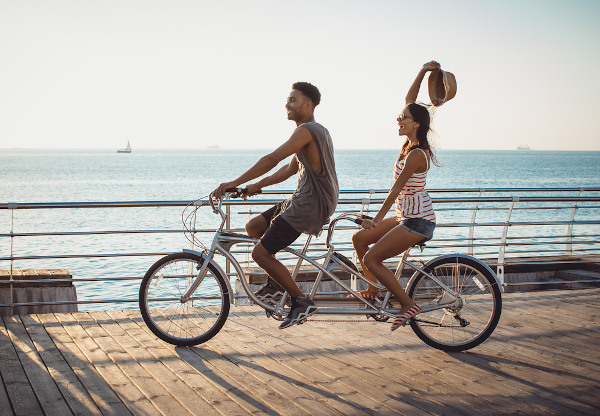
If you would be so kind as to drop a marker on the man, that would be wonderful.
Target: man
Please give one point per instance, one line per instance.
(306, 211)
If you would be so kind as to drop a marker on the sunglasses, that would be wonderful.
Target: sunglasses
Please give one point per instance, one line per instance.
(403, 116)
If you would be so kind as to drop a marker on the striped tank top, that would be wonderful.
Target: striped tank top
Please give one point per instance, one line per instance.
(413, 201)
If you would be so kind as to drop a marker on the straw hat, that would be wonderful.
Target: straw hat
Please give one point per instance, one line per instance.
(442, 86)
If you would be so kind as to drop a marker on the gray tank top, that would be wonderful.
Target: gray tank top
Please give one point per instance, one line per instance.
(316, 196)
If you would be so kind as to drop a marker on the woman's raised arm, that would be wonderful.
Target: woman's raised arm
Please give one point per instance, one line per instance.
(413, 92)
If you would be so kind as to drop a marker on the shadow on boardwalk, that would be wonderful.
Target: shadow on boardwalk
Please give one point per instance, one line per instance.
(542, 359)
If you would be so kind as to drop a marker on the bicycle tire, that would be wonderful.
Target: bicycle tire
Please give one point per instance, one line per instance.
(183, 324)
(466, 323)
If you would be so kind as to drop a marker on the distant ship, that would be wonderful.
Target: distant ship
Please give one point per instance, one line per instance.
(126, 150)
(525, 147)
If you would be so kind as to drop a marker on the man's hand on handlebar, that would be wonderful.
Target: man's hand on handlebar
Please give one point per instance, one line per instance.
(222, 189)
(251, 190)
(226, 187)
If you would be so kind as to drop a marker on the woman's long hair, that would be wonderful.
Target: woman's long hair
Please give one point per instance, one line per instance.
(421, 115)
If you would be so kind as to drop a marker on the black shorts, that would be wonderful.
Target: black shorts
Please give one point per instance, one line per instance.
(280, 233)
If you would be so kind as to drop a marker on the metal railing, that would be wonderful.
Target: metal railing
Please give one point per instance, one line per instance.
(519, 226)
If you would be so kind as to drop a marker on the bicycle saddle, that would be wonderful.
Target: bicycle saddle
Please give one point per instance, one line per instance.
(232, 234)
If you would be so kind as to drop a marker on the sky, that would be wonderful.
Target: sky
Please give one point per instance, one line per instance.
(193, 74)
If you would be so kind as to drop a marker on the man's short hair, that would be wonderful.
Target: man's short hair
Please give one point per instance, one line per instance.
(309, 90)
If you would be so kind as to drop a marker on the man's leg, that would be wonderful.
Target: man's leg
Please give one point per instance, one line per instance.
(301, 307)
(257, 226)
(276, 270)
(280, 234)
(271, 292)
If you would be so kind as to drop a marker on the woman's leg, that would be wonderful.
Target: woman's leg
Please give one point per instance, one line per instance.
(394, 242)
(361, 241)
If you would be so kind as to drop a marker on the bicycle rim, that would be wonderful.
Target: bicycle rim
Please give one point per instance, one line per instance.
(191, 322)
(466, 322)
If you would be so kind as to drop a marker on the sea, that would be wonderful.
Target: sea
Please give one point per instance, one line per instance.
(38, 176)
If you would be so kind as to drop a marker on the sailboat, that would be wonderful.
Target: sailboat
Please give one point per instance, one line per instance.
(126, 150)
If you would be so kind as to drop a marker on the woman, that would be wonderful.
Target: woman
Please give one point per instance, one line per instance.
(415, 219)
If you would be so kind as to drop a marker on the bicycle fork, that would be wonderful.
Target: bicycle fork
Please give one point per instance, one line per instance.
(201, 274)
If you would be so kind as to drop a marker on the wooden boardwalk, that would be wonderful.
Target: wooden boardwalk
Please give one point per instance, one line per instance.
(544, 358)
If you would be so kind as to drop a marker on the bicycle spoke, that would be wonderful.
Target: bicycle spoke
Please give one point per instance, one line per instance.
(183, 323)
(464, 321)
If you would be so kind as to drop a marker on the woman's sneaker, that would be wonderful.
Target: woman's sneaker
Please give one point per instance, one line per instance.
(271, 293)
(301, 309)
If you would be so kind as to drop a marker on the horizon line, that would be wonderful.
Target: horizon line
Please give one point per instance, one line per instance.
(265, 148)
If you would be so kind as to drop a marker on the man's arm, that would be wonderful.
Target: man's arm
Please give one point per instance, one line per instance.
(281, 175)
(299, 138)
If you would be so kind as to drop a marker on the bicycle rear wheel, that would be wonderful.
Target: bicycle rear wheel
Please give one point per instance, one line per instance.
(183, 323)
(465, 322)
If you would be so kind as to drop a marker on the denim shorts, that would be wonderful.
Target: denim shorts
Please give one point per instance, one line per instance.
(418, 226)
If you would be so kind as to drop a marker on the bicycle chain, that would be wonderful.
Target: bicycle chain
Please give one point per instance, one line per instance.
(366, 321)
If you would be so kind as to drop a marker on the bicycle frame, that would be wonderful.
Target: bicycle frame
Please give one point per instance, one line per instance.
(223, 241)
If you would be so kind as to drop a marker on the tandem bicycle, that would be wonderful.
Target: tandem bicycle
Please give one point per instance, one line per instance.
(185, 297)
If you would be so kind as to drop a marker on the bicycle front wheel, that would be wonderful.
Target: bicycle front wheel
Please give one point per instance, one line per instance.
(183, 323)
(464, 321)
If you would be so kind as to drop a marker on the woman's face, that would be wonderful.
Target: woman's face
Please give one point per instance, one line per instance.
(407, 124)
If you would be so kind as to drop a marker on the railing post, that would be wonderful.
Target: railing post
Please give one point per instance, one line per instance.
(365, 202)
(502, 251)
(12, 237)
(472, 226)
(569, 248)
(228, 226)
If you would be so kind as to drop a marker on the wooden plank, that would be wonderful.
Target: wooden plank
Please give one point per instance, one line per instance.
(97, 388)
(44, 387)
(72, 390)
(530, 333)
(156, 394)
(202, 386)
(221, 374)
(539, 322)
(534, 363)
(308, 364)
(16, 384)
(538, 383)
(234, 391)
(415, 360)
(160, 373)
(344, 347)
(258, 339)
(555, 405)
(431, 362)
(130, 395)
(222, 371)
(335, 395)
(272, 400)
(428, 364)
(271, 372)
(5, 407)
(407, 369)
(538, 355)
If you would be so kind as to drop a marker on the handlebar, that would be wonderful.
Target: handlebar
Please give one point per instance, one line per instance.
(358, 219)
(229, 193)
